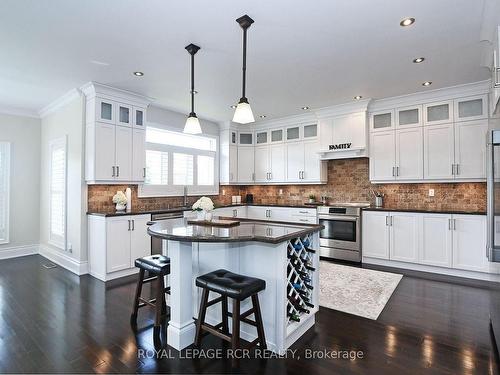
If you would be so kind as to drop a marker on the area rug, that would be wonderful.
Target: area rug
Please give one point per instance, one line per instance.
(353, 290)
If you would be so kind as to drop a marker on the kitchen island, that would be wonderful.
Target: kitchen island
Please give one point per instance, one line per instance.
(284, 255)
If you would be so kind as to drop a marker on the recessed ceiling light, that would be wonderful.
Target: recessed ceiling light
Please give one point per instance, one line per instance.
(138, 74)
(305, 108)
(407, 21)
(233, 106)
(418, 60)
(262, 116)
(427, 83)
(358, 97)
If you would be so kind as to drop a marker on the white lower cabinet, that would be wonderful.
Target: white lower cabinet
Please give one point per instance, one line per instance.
(435, 240)
(469, 242)
(115, 243)
(403, 235)
(375, 234)
(440, 240)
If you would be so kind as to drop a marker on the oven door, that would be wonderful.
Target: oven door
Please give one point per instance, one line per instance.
(341, 232)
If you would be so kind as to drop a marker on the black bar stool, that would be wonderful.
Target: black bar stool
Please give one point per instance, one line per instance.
(157, 266)
(237, 287)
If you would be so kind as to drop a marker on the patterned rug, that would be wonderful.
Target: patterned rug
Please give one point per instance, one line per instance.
(353, 290)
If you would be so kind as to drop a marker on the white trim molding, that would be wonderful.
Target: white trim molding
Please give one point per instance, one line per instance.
(18, 251)
(59, 103)
(77, 267)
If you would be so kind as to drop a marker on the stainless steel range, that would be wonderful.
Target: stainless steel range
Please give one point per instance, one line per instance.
(341, 238)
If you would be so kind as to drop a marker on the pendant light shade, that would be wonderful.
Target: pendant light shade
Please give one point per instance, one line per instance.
(243, 113)
(192, 123)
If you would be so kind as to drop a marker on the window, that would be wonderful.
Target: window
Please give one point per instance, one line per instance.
(4, 191)
(57, 191)
(175, 160)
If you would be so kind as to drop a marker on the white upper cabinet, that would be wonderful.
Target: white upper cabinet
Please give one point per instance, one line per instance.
(277, 161)
(124, 114)
(439, 152)
(294, 161)
(382, 156)
(246, 165)
(245, 138)
(382, 120)
(115, 143)
(293, 133)
(262, 166)
(471, 108)
(261, 137)
(438, 112)
(139, 118)
(409, 154)
(470, 149)
(407, 117)
(104, 110)
(313, 167)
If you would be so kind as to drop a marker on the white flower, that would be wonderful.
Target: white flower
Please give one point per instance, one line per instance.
(120, 198)
(203, 204)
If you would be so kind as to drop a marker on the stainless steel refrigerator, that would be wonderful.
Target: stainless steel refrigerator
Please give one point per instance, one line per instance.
(493, 212)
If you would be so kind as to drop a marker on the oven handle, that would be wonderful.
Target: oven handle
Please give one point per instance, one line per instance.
(342, 218)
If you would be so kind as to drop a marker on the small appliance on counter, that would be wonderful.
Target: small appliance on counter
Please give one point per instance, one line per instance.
(249, 198)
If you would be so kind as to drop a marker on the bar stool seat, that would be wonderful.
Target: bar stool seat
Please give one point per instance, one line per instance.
(230, 284)
(157, 266)
(237, 287)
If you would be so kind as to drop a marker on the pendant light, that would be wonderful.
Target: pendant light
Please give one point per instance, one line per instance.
(192, 123)
(243, 113)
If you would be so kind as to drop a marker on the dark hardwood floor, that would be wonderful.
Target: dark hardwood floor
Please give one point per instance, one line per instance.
(54, 321)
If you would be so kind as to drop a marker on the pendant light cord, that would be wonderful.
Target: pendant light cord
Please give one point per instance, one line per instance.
(244, 61)
(192, 83)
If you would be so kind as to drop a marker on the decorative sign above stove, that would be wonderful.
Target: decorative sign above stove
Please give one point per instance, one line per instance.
(340, 146)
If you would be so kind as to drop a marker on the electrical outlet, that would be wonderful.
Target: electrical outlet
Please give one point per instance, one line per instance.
(281, 191)
(223, 192)
(431, 192)
(70, 248)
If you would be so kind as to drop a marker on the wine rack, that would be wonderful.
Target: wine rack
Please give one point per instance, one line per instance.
(300, 276)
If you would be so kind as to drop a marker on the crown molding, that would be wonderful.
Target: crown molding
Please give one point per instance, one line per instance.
(59, 103)
(18, 111)
(343, 109)
(422, 97)
(91, 89)
(282, 121)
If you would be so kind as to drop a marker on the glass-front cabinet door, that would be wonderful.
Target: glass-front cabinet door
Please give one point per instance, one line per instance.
(438, 113)
(311, 131)
(276, 135)
(124, 114)
(245, 139)
(293, 133)
(261, 137)
(471, 108)
(139, 117)
(409, 117)
(105, 110)
(382, 120)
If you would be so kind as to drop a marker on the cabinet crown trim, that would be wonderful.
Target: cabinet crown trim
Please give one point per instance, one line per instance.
(93, 89)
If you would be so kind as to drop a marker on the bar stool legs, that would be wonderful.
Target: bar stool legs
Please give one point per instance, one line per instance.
(160, 302)
(138, 291)
(235, 335)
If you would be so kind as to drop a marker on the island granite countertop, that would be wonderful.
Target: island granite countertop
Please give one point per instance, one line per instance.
(248, 230)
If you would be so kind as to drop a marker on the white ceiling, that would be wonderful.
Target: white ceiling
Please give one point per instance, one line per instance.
(315, 53)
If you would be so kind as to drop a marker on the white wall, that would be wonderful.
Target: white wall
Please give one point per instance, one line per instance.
(24, 135)
(176, 121)
(66, 121)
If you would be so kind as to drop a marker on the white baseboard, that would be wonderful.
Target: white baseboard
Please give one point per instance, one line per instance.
(18, 251)
(63, 260)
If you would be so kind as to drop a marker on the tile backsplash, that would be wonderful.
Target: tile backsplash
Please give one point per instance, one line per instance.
(348, 181)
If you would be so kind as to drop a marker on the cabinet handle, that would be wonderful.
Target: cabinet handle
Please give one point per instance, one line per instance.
(454, 224)
(113, 175)
(129, 225)
(117, 171)
(453, 169)
(449, 224)
(391, 220)
(393, 172)
(397, 171)
(144, 172)
(457, 169)
(253, 176)
(270, 176)
(387, 221)
(304, 220)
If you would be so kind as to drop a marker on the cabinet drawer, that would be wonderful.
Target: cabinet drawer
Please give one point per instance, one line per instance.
(303, 212)
(303, 219)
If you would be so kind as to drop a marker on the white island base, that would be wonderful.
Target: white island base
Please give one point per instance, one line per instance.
(258, 259)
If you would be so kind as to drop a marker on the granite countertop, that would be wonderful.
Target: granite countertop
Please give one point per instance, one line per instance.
(112, 212)
(248, 230)
(424, 210)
